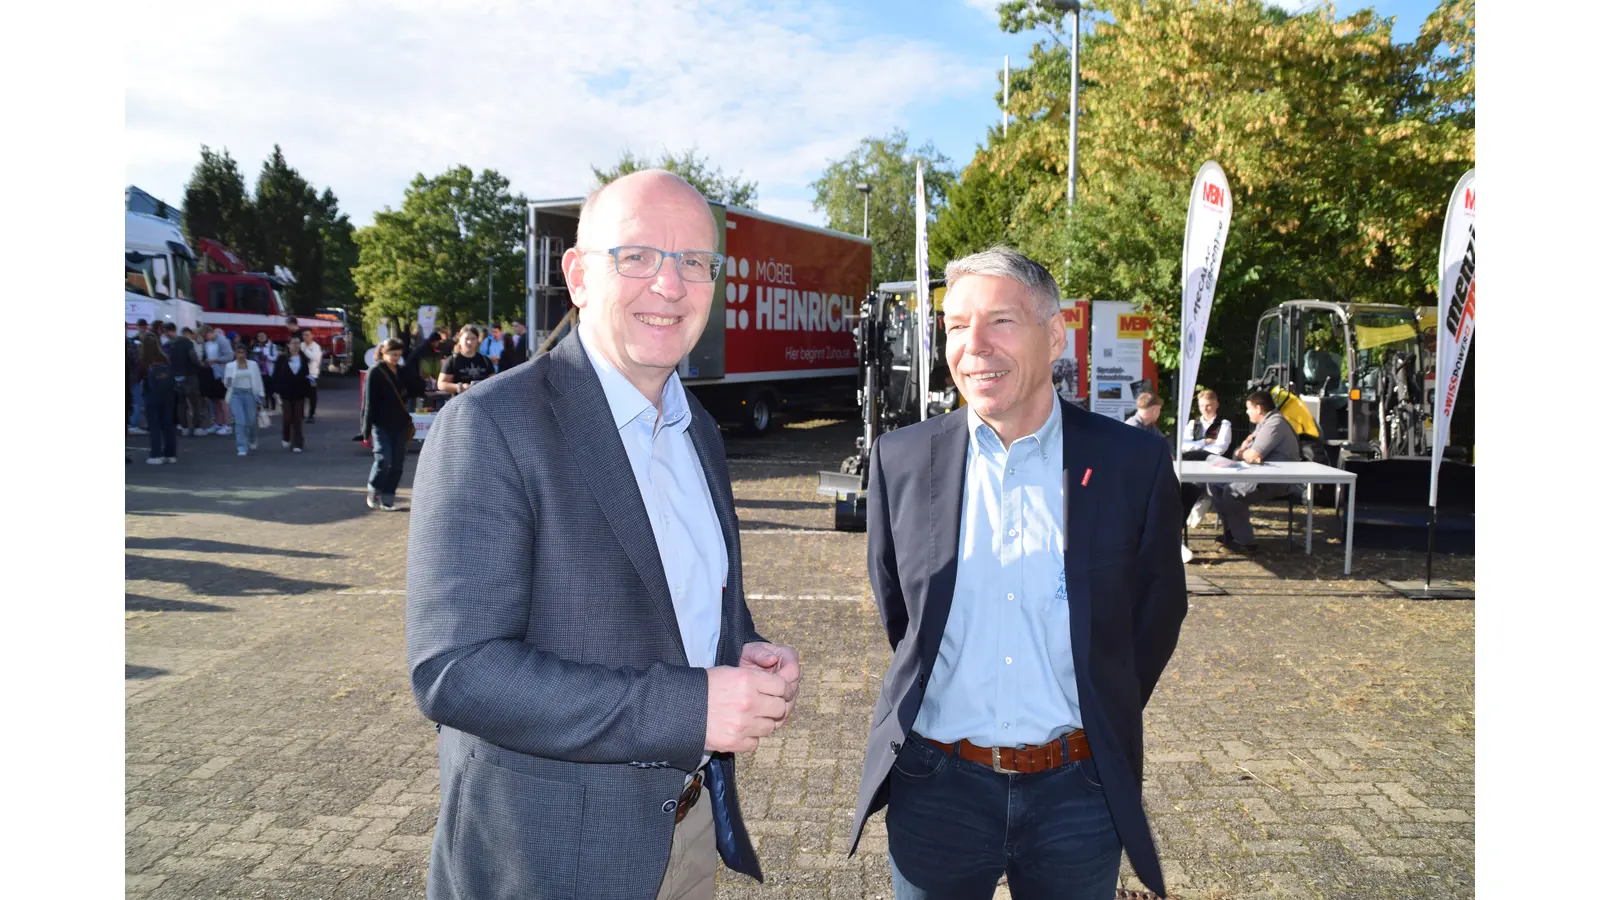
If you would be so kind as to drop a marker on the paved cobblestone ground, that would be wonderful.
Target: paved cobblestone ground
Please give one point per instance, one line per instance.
(1313, 736)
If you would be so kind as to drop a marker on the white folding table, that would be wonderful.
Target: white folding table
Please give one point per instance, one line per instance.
(1297, 472)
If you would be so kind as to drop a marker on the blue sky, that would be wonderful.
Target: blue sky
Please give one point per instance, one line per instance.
(364, 94)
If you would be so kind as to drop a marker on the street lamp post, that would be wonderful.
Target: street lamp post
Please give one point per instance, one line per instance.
(1076, 8)
(1072, 139)
(866, 204)
(491, 293)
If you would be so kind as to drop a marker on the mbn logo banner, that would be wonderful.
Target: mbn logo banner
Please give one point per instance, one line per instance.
(1133, 326)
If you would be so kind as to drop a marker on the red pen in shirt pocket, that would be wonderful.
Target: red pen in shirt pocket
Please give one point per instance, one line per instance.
(1086, 474)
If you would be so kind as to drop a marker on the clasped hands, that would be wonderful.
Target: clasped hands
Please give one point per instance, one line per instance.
(749, 701)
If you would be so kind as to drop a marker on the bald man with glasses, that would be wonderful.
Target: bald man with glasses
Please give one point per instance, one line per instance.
(589, 658)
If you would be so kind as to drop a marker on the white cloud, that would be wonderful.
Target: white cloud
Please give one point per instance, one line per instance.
(364, 95)
(991, 8)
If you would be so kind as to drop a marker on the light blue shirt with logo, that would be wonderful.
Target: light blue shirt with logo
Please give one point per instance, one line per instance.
(1004, 676)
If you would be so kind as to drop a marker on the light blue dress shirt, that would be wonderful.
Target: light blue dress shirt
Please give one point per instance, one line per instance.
(673, 486)
(1004, 676)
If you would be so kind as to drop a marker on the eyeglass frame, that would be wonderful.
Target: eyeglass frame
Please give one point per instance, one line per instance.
(677, 261)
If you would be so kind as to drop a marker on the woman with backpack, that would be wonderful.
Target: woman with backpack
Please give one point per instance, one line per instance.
(160, 400)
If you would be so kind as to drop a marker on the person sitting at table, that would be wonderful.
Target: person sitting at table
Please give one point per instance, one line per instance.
(1211, 436)
(1147, 414)
(1271, 441)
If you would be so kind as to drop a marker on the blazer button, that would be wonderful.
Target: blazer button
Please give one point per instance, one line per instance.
(669, 806)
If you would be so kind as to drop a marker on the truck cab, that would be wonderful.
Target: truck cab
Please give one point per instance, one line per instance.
(158, 273)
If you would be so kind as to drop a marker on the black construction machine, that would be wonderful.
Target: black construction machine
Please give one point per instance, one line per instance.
(1363, 373)
(889, 388)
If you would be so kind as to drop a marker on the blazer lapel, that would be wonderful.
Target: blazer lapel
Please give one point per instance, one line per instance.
(702, 430)
(947, 483)
(1080, 457)
(579, 400)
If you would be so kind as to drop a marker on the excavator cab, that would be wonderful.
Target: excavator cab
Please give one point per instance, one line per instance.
(889, 388)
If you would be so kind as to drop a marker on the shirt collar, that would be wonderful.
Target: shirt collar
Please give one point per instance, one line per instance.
(626, 401)
(1048, 435)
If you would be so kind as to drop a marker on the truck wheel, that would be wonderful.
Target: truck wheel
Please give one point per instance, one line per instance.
(759, 412)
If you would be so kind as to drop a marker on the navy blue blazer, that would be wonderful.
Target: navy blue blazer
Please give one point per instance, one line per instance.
(1125, 584)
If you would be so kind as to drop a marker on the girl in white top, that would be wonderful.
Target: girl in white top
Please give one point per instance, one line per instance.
(245, 392)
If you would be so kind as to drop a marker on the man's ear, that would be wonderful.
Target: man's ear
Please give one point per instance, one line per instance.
(572, 269)
(1058, 335)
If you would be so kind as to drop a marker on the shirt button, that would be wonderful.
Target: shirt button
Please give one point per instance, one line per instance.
(669, 806)
(1011, 596)
(1011, 471)
(1012, 532)
(1008, 660)
(1005, 724)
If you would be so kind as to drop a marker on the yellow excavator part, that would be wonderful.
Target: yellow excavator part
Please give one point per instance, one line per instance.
(1295, 412)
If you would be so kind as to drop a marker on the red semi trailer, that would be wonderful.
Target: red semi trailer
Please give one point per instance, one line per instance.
(782, 330)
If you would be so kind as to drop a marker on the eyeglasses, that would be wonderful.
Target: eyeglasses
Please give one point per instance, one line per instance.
(645, 262)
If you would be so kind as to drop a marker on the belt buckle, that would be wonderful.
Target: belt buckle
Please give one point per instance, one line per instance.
(994, 753)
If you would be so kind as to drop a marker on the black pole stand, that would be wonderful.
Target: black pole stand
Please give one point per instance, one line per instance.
(1426, 589)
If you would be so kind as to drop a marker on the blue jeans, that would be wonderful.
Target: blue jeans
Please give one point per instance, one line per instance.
(955, 827)
(243, 408)
(388, 462)
(161, 410)
(135, 420)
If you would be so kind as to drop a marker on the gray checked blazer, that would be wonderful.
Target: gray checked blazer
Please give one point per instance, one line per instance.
(542, 639)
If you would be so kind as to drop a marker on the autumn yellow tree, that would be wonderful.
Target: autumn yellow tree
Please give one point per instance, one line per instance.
(1341, 146)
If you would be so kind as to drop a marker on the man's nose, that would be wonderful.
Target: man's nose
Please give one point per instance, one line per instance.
(978, 339)
(669, 284)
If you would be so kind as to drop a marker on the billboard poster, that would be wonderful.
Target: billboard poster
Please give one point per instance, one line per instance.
(792, 296)
(1070, 371)
(1457, 317)
(426, 317)
(1205, 234)
(1120, 366)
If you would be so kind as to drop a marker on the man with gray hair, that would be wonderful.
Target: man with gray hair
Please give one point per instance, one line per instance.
(1024, 554)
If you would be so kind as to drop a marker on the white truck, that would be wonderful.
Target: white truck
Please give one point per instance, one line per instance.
(158, 274)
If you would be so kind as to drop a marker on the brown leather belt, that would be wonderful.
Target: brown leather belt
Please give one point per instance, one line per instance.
(1021, 760)
(691, 794)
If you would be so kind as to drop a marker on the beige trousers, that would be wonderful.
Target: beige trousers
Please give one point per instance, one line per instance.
(692, 867)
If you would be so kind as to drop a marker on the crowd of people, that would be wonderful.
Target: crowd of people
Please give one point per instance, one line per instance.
(179, 382)
(411, 371)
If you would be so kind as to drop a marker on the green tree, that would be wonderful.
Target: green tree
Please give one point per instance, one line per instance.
(215, 202)
(337, 249)
(891, 169)
(1340, 145)
(436, 249)
(692, 167)
(978, 213)
(286, 230)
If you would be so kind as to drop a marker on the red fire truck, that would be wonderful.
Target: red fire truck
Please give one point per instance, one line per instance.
(235, 300)
(782, 330)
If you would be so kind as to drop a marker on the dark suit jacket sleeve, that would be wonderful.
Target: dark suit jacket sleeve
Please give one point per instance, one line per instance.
(1163, 598)
(881, 566)
(468, 596)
